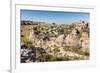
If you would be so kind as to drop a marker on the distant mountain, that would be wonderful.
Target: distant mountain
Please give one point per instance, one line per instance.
(24, 22)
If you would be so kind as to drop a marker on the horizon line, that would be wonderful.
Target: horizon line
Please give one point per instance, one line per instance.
(55, 22)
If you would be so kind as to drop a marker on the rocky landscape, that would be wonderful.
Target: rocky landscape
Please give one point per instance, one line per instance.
(45, 42)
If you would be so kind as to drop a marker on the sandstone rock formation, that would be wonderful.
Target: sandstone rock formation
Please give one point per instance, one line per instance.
(59, 40)
(84, 42)
(72, 39)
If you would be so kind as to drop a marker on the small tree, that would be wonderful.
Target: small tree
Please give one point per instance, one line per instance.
(54, 23)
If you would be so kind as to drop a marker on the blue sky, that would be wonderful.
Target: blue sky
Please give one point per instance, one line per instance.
(54, 16)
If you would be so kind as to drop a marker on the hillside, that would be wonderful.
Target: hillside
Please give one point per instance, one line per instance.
(44, 42)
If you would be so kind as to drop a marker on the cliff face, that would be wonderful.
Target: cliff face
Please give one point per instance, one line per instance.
(64, 42)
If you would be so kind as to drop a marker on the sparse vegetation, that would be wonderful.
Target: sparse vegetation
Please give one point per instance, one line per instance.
(40, 43)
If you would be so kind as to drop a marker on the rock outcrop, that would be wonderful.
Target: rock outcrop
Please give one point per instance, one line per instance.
(51, 40)
(84, 42)
(73, 39)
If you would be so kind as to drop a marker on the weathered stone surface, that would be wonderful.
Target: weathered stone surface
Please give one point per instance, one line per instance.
(85, 42)
(59, 40)
(72, 39)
